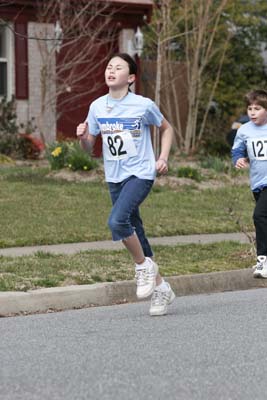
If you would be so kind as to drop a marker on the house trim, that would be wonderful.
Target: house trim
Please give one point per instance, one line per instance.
(21, 61)
(8, 60)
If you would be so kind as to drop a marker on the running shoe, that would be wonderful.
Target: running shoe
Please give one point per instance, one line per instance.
(146, 279)
(160, 301)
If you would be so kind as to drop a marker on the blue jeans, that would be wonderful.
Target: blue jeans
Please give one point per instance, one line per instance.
(125, 218)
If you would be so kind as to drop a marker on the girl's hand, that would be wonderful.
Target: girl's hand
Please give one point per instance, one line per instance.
(162, 166)
(242, 163)
(82, 130)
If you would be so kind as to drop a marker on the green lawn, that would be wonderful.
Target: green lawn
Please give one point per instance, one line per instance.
(37, 210)
(48, 270)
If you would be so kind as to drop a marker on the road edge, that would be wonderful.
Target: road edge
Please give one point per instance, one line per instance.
(105, 294)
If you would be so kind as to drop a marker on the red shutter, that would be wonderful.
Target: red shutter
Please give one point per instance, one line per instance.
(21, 61)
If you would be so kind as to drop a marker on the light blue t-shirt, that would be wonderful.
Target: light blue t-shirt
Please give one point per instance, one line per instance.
(125, 128)
(251, 142)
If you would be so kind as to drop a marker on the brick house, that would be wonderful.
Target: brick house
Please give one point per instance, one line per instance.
(21, 60)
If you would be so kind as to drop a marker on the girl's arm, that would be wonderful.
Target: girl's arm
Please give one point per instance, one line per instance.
(166, 133)
(87, 140)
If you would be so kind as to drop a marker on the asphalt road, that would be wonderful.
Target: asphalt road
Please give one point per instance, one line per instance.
(209, 347)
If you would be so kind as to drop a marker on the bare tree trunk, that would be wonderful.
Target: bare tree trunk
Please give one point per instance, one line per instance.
(198, 30)
(155, 133)
(214, 86)
(199, 52)
(86, 29)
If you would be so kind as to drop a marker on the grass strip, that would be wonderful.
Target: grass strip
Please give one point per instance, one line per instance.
(47, 270)
(38, 210)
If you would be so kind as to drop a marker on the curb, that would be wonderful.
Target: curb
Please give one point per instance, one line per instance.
(104, 294)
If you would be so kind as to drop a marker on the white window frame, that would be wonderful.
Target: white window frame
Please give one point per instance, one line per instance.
(8, 59)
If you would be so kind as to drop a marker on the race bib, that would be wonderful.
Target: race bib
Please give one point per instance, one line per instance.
(118, 146)
(257, 149)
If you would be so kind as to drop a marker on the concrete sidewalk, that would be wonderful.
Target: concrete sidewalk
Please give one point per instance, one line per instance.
(103, 294)
(71, 248)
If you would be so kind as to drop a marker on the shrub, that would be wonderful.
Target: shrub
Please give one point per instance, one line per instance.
(8, 121)
(8, 127)
(13, 143)
(216, 163)
(69, 155)
(5, 159)
(215, 147)
(30, 147)
(56, 154)
(78, 159)
(189, 172)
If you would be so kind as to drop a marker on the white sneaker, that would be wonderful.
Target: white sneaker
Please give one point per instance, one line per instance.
(146, 279)
(260, 269)
(160, 300)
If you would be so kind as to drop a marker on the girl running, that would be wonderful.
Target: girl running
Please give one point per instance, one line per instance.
(124, 119)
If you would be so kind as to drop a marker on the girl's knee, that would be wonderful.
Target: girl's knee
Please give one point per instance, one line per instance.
(120, 229)
(112, 223)
(115, 224)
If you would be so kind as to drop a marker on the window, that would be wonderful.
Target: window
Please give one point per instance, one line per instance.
(5, 64)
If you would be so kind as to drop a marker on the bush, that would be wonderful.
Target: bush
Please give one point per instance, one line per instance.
(78, 159)
(13, 143)
(30, 147)
(216, 163)
(8, 121)
(5, 159)
(8, 127)
(215, 147)
(189, 172)
(56, 154)
(69, 155)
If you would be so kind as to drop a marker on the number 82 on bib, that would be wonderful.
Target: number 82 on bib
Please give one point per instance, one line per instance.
(118, 146)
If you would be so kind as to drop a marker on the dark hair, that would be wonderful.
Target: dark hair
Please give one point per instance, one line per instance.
(130, 61)
(258, 96)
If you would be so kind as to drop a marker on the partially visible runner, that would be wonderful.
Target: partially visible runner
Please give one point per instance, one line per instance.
(250, 150)
(124, 119)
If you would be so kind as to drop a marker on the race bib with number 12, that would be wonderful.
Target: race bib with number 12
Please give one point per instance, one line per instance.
(257, 149)
(118, 146)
